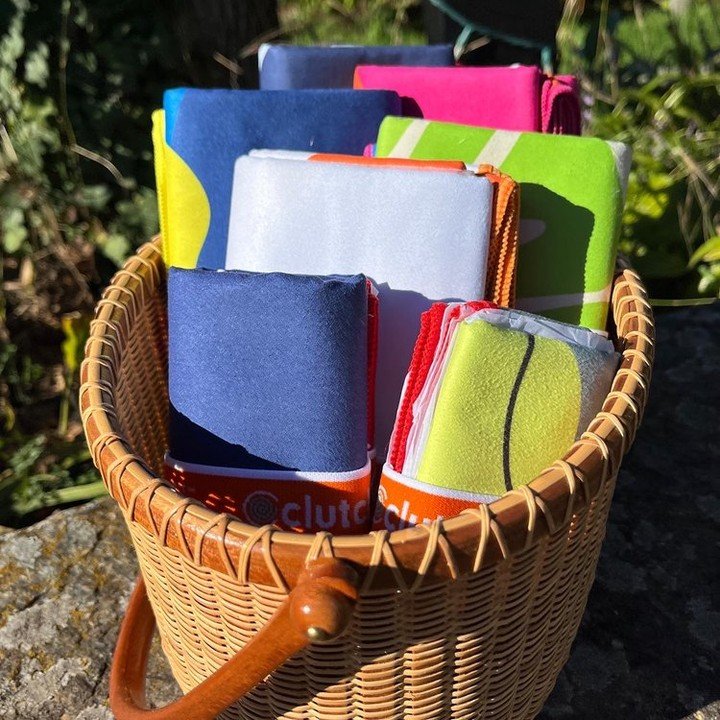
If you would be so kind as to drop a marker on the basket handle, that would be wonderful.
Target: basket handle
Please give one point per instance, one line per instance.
(318, 609)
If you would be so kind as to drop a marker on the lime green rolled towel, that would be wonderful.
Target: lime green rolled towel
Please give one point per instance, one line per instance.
(572, 195)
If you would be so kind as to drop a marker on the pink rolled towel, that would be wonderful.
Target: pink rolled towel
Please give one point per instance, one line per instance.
(520, 98)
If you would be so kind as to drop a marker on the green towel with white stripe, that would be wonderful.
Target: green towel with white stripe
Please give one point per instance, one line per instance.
(571, 201)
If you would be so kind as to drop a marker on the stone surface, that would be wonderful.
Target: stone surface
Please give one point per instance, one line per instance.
(64, 584)
(711, 712)
(649, 641)
(649, 644)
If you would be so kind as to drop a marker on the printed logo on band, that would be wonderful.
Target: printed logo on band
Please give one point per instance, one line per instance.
(264, 508)
(334, 504)
(260, 508)
(404, 502)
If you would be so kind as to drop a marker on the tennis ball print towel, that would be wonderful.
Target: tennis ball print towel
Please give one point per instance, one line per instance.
(493, 397)
(268, 382)
(420, 236)
(284, 67)
(200, 133)
(572, 192)
(511, 98)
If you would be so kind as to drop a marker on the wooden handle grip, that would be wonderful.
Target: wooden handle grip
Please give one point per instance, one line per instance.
(318, 609)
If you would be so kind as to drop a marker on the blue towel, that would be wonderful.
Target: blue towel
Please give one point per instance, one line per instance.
(290, 66)
(268, 371)
(209, 129)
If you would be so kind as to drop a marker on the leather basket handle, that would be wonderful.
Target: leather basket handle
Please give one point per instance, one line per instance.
(318, 609)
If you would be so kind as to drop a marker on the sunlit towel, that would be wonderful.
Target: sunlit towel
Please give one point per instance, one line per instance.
(296, 66)
(510, 98)
(201, 133)
(572, 194)
(268, 383)
(493, 396)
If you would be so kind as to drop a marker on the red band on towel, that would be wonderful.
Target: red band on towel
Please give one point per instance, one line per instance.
(337, 506)
(403, 503)
(372, 346)
(422, 357)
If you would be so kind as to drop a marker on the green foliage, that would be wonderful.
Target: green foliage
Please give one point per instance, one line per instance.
(653, 78)
(42, 473)
(76, 330)
(369, 22)
(21, 374)
(78, 81)
(77, 84)
(707, 259)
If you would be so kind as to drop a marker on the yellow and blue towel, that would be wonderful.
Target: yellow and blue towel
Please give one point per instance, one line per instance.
(200, 133)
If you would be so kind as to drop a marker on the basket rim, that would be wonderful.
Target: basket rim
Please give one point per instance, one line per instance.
(404, 558)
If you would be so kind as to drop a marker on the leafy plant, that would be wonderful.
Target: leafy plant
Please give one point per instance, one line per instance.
(76, 329)
(652, 79)
(75, 198)
(78, 81)
(370, 22)
(42, 473)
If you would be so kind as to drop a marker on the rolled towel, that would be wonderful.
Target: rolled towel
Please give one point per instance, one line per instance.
(420, 236)
(201, 133)
(573, 191)
(268, 383)
(510, 98)
(560, 105)
(284, 67)
(493, 396)
(502, 251)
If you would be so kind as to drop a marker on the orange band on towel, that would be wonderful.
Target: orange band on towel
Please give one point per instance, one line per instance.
(338, 506)
(388, 162)
(403, 502)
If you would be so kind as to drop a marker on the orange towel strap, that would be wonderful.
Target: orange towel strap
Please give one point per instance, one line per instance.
(503, 251)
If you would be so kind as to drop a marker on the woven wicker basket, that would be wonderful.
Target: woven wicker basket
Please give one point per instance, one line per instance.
(471, 618)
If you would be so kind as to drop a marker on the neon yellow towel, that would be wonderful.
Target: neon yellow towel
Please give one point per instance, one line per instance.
(513, 392)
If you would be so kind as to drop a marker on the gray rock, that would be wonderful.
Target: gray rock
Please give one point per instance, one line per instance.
(648, 645)
(711, 712)
(64, 585)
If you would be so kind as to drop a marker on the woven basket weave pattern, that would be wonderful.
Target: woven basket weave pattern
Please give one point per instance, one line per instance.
(477, 626)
